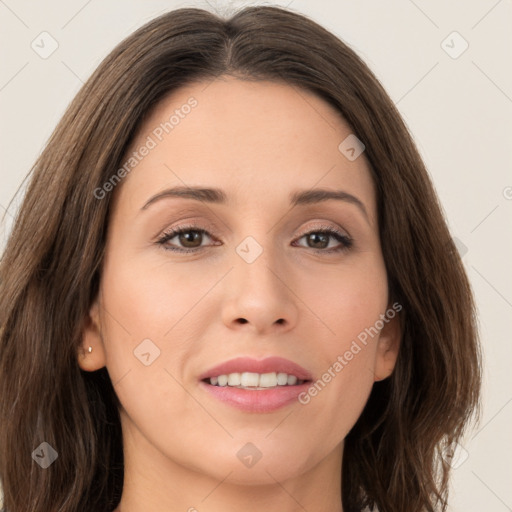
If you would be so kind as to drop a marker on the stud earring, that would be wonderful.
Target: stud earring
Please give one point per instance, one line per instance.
(90, 349)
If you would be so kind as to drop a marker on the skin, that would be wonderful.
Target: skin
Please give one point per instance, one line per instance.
(257, 141)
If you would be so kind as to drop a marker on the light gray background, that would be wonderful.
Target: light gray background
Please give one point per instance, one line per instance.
(458, 110)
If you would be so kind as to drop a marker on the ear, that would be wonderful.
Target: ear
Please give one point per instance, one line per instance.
(91, 337)
(387, 348)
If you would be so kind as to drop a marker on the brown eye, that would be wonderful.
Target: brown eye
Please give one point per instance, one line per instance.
(319, 240)
(189, 239)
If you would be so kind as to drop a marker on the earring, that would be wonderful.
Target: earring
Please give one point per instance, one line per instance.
(90, 349)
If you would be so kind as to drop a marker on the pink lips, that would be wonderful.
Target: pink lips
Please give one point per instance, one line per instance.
(261, 401)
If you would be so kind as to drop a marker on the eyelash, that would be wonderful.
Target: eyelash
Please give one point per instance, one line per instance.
(346, 241)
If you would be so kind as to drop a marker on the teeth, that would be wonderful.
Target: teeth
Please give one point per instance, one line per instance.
(249, 380)
(282, 379)
(268, 380)
(234, 379)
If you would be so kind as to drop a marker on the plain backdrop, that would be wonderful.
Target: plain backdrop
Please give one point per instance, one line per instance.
(447, 67)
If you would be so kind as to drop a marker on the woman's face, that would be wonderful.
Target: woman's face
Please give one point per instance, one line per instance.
(264, 281)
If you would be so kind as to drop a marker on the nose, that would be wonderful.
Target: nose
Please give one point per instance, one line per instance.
(259, 293)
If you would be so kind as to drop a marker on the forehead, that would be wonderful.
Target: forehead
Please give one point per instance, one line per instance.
(258, 140)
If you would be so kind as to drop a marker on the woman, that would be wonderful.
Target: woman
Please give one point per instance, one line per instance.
(230, 286)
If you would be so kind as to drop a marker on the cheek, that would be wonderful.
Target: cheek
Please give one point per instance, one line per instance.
(341, 389)
(148, 339)
(348, 304)
(345, 302)
(145, 326)
(149, 300)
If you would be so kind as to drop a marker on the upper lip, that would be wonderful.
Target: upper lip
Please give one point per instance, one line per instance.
(267, 365)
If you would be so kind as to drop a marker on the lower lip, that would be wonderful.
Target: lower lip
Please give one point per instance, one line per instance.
(266, 400)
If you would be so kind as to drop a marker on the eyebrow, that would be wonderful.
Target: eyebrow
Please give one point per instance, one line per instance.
(218, 196)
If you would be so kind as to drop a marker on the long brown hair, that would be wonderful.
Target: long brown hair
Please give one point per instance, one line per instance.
(51, 269)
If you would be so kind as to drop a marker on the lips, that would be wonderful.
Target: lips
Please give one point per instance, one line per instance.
(268, 365)
(256, 399)
(261, 401)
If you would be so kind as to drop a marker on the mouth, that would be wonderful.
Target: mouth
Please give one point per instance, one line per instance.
(253, 385)
(254, 381)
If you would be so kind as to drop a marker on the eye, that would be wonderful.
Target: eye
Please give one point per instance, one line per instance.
(190, 238)
(320, 238)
